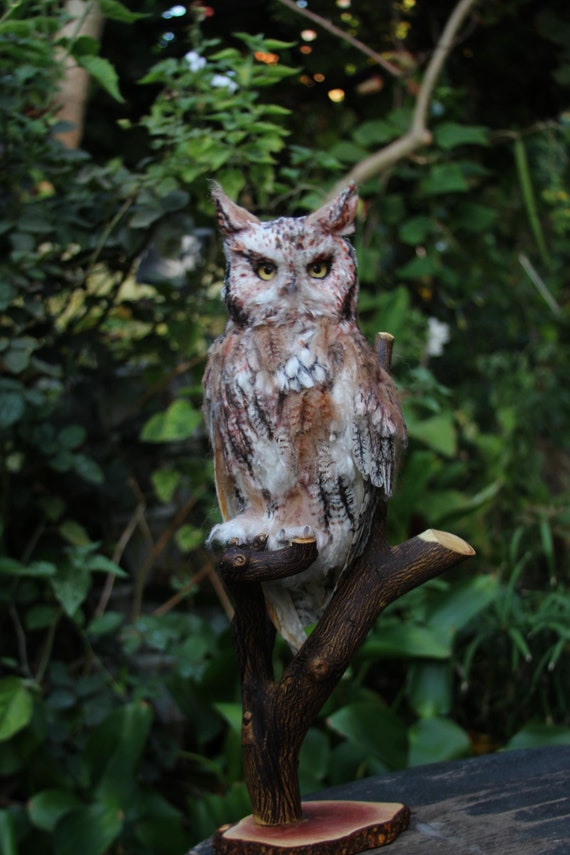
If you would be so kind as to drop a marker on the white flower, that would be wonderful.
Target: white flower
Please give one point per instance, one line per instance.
(437, 337)
(220, 80)
(194, 60)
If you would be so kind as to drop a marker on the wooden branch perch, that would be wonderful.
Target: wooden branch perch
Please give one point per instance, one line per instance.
(418, 134)
(278, 713)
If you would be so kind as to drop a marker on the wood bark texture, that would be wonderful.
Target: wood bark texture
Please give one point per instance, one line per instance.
(278, 713)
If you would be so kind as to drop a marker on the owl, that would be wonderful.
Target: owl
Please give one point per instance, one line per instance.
(305, 425)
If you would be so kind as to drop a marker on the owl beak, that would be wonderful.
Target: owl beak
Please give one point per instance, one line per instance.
(290, 288)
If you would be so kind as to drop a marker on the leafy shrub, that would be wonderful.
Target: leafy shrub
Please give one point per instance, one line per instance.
(119, 698)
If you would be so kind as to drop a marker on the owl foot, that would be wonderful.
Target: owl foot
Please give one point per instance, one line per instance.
(302, 532)
(286, 534)
(237, 533)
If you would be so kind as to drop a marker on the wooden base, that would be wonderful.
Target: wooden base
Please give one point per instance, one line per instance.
(327, 828)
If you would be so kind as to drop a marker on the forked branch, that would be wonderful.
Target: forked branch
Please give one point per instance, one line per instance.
(278, 713)
(418, 134)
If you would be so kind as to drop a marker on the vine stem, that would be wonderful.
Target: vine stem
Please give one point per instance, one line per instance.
(418, 134)
(341, 34)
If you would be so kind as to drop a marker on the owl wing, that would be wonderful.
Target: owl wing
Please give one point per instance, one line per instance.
(214, 399)
(378, 430)
(225, 487)
(233, 418)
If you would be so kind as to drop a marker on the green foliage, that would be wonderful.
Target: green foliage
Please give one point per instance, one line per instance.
(119, 697)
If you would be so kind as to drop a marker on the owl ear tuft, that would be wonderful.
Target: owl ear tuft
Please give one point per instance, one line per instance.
(231, 217)
(337, 217)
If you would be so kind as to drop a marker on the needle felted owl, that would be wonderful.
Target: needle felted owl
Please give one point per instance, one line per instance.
(304, 423)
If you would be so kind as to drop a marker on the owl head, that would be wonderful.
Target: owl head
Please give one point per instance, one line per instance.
(292, 267)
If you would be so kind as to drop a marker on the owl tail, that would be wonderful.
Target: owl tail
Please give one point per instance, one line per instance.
(284, 615)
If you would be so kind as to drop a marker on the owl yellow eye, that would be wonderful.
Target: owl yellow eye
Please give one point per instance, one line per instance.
(266, 270)
(319, 269)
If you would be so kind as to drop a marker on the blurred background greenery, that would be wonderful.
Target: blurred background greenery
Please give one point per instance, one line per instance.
(119, 697)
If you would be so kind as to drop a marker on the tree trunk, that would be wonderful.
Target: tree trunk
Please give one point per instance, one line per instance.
(86, 20)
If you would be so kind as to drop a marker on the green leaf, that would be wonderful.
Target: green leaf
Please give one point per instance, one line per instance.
(232, 180)
(16, 707)
(8, 838)
(189, 537)
(537, 734)
(49, 806)
(88, 469)
(12, 408)
(118, 12)
(84, 46)
(476, 218)
(451, 134)
(7, 294)
(114, 751)
(232, 713)
(463, 601)
(41, 616)
(71, 586)
(34, 221)
(348, 152)
(429, 688)
(165, 481)
(416, 230)
(17, 358)
(437, 432)
(444, 178)
(36, 569)
(178, 422)
(418, 268)
(105, 624)
(175, 200)
(160, 826)
(375, 729)
(104, 73)
(72, 436)
(88, 830)
(375, 132)
(62, 461)
(74, 533)
(403, 640)
(314, 760)
(101, 563)
(434, 740)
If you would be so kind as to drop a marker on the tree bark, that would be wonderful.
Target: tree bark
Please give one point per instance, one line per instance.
(278, 713)
(86, 19)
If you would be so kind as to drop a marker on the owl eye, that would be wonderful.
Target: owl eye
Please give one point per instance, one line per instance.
(266, 270)
(319, 269)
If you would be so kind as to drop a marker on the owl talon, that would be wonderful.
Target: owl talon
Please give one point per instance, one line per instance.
(303, 532)
(260, 541)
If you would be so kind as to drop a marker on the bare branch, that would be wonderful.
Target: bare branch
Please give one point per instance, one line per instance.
(418, 135)
(336, 31)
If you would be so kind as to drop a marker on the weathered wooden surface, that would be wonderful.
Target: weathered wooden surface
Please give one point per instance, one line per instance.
(513, 803)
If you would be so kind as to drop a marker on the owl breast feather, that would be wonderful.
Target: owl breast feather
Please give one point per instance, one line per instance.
(311, 400)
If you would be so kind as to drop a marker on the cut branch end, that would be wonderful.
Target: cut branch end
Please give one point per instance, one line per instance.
(449, 541)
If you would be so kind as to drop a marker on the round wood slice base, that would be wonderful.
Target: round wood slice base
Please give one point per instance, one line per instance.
(327, 828)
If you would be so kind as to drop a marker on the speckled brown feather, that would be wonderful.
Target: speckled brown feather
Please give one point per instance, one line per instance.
(305, 424)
